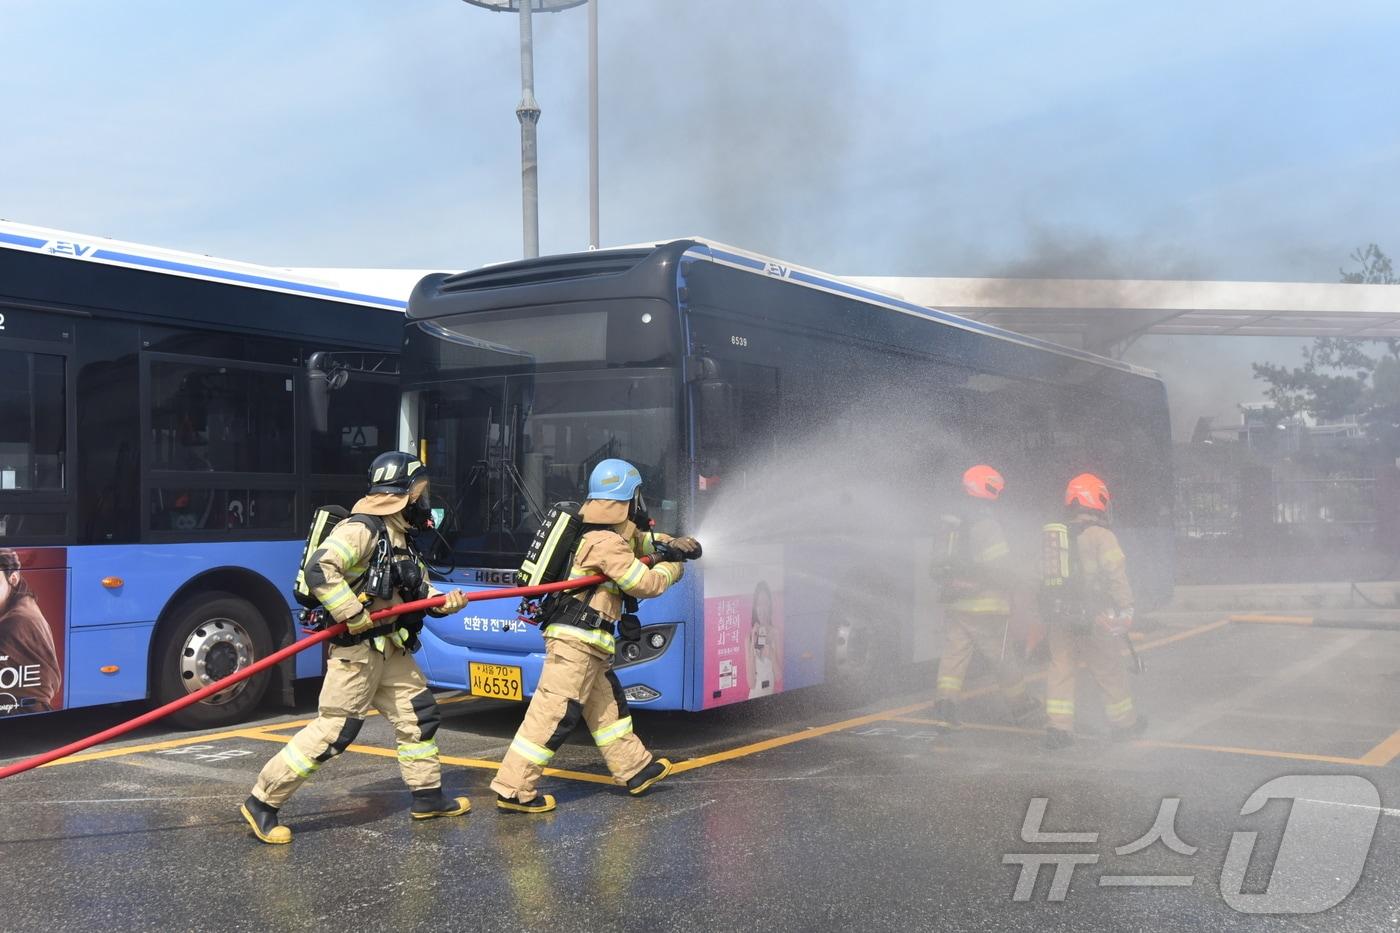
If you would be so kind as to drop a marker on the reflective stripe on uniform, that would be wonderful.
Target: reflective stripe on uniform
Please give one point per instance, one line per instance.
(298, 762)
(990, 605)
(993, 552)
(340, 547)
(612, 733)
(950, 683)
(1059, 707)
(536, 754)
(1113, 557)
(633, 576)
(1120, 710)
(595, 636)
(338, 597)
(418, 750)
(665, 572)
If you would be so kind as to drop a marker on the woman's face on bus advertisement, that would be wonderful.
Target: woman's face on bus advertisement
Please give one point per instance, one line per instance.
(763, 607)
(8, 581)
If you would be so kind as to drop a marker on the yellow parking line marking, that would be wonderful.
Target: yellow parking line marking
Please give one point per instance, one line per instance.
(813, 732)
(1254, 752)
(754, 748)
(979, 726)
(1149, 743)
(446, 759)
(266, 732)
(1263, 619)
(147, 747)
(244, 732)
(1384, 753)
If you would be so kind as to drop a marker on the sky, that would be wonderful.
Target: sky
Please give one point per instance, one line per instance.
(1249, 140)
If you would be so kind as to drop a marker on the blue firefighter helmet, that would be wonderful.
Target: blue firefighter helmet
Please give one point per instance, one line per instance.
(615, 480)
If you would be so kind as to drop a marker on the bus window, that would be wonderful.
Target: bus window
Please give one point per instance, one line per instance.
(362, 421)
(213, 417)
(180, 509)
(33, 423)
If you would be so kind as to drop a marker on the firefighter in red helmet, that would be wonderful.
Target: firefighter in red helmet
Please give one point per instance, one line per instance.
(974, 566)
(1093, 632)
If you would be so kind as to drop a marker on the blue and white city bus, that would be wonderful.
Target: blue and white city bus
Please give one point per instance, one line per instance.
(802, 426)
(159, 458)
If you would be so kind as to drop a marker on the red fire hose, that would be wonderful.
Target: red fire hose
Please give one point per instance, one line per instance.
(277, 657)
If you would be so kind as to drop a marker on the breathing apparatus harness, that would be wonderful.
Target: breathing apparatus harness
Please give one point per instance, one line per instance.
(392, 570)
(550, 558)
(1065, 597)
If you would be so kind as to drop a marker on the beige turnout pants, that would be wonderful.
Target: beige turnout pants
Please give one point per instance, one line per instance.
(575, 684)
(360, 678)
(984, 633)
(1102, 653)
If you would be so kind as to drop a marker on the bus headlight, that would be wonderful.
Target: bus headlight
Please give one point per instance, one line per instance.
(655, 641)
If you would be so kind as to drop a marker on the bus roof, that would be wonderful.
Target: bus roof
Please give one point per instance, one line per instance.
(699, 248)
(104, 251)
(736, 258)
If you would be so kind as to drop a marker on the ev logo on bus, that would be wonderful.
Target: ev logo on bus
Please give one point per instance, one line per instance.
(775, 269)
(64, 248)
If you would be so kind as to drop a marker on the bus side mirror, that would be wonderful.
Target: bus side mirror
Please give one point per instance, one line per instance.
(323, 377)
(717, 421)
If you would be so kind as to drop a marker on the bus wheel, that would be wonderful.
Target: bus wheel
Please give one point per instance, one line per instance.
(205, 640)
(854, 656)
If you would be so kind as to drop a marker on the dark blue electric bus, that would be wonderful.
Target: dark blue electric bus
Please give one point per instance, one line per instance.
(805, 428)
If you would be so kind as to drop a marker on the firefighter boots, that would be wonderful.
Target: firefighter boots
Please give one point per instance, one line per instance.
(639, 783)
(263, 820)
(541, 804)
(946, 711)
(1026, 712)
(1124, 733)
(431, 802)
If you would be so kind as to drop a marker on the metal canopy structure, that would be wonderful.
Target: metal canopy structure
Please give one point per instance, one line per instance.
(1106, 314)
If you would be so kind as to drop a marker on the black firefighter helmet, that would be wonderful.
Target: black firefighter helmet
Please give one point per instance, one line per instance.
(394, 472)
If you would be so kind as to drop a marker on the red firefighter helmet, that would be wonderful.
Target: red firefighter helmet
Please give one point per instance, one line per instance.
(1089, 491)
(983, 482)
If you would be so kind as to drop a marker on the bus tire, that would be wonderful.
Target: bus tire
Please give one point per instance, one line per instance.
(204, 639)
(857, 660)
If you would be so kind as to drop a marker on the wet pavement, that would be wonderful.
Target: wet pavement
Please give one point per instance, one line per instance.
(788, 814)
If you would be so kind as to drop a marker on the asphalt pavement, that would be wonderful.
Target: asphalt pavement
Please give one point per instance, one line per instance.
(789, 813)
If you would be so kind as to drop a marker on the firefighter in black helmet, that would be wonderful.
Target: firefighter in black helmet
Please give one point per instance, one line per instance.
(372, 667)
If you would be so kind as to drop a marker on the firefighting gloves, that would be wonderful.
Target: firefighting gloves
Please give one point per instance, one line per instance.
(451, 603)
(679, 549)
(1117, 623)
(361, 623)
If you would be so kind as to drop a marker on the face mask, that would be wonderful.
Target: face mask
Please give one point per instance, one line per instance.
(418, 515)
(638, 514)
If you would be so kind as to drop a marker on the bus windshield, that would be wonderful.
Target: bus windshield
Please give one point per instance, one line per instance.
(516, 418)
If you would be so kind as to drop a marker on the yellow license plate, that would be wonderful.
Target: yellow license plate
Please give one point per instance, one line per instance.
(497, 681)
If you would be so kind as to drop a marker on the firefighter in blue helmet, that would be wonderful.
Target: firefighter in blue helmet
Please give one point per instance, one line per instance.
(577, 682)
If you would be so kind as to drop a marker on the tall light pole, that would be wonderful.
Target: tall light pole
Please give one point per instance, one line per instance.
(528, 110)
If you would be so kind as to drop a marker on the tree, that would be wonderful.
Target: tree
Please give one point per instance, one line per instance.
(1346, 376)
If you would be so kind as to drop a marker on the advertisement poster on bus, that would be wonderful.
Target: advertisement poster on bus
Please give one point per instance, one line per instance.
(744, 630)
(33, 594)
